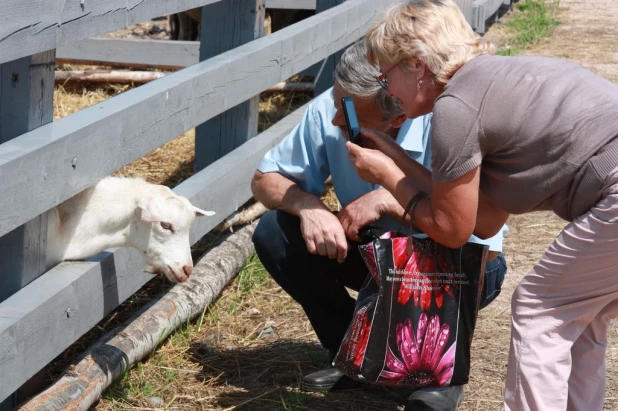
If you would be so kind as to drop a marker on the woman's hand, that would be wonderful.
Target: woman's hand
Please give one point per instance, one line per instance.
(373, 166)
(380, 141)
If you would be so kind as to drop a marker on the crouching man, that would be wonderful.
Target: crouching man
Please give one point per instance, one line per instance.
(311, 252)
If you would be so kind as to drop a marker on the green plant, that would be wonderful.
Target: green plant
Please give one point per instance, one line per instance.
(531, 21)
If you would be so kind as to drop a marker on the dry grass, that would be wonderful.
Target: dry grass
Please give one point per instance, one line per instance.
(249, 350)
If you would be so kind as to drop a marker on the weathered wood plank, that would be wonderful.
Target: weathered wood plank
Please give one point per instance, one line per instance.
(291, 4)
(26, 102)
(44, 318)
(468, 11)
(174, 54)
(225, 26)
(324, 76)
(44, 167)
(138, 53)
(482, 11)
(31, 26)
(49, 314)
(161, 53)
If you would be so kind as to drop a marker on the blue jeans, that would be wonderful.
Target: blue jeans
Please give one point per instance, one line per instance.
(495, 271)
(319, 283)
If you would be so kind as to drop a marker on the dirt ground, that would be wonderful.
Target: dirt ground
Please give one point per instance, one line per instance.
(254, 348)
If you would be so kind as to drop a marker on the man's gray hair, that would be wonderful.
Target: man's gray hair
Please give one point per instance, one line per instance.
(358, 77)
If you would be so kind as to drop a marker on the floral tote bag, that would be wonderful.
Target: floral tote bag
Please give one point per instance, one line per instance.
(415, 317)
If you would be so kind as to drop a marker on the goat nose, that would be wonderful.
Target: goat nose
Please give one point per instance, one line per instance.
(187, 269)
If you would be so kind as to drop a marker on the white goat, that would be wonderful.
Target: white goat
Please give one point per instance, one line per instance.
(125, 212)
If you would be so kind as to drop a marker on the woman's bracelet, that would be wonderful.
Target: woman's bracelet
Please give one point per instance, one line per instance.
(412, 208)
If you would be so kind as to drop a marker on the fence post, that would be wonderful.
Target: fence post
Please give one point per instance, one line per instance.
(227, 25)
(26, 102)
(324, 75)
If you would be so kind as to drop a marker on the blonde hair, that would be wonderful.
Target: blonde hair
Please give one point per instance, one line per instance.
(433, 31)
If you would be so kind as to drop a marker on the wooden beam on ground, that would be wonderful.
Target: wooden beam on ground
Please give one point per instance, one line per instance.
(53, 163)
(291, 4)
(225, 26)
(26, 102)
(141, 77)
(131, 52)
(103, 76)
(41, 320)
(116, 352)
(288, 86)
(32, 26)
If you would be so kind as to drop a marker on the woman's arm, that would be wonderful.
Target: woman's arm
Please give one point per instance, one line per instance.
(454, 211)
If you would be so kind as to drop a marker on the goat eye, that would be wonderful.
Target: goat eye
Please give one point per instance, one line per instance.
(167, 226)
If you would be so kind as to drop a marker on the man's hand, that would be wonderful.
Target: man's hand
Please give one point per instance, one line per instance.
(363, 211)
(323, 233)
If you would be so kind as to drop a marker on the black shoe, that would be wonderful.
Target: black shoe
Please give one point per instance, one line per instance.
(328, 379)
(436, 399)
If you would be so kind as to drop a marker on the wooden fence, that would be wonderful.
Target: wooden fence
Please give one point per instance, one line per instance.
(43, 163)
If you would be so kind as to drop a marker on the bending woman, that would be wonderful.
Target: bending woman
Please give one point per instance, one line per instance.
(511, 135)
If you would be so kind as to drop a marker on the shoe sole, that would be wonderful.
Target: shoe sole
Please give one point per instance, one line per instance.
(340, 386)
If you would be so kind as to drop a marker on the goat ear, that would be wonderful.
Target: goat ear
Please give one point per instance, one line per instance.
(149, 209)
(202, 213)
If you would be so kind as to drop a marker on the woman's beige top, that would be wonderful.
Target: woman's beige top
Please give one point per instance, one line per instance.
(543, 131)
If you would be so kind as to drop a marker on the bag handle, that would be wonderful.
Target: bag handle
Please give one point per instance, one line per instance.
(410, 211)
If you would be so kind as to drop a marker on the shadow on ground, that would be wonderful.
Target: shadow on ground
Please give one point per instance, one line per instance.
(267, 377)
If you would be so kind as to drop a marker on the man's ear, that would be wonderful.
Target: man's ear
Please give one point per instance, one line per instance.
(150, 209)
(398, 121)
(202, 213)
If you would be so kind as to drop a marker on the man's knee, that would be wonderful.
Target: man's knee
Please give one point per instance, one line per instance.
(265, 229)
(277, 235)
(277, 224)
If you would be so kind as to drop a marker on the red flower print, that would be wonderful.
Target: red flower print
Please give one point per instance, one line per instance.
(425, 361)
(355, 346)
(419, 271)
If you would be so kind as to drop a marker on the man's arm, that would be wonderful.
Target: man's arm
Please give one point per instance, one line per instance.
(321, 229)
(277, 192)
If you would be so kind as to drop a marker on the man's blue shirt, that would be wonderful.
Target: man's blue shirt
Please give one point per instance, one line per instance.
(315, 149)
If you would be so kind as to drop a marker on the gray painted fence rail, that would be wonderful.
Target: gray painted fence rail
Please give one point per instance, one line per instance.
(44, 167)
(174, 54)
(484, 9)
(32, 26)
(52, 312)
(161, 53)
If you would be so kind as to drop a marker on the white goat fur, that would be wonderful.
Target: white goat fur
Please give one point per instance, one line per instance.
(125, 212)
